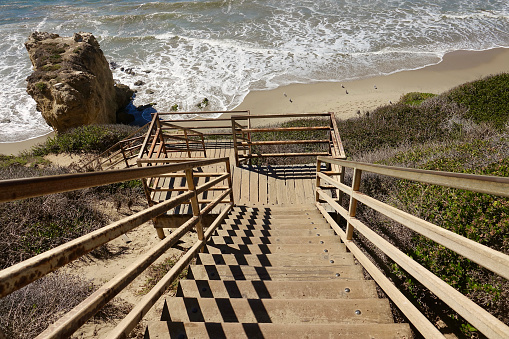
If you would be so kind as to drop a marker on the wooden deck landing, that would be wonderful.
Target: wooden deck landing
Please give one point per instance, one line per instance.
(252, 185)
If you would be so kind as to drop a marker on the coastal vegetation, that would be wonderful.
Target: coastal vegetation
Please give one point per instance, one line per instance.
(32, 226)
(463, 130)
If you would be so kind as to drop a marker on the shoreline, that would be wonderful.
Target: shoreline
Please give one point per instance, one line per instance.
(15, 148)
(455, 69)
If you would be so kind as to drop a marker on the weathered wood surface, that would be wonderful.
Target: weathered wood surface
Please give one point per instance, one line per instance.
(260, 185)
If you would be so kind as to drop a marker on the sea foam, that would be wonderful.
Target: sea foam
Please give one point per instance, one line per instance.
(185, 51)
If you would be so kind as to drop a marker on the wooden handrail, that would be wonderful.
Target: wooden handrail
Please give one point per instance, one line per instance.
(276, 116)
(153, 125)
(23, 273)
(202, 112)
(209, 126)
(472, 182)
(108, 153)
(15, 189)
(242, 137)
(486, 257)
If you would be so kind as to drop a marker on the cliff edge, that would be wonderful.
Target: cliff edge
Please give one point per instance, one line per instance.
(72, 83)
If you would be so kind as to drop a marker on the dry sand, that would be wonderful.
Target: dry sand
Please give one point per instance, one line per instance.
(456, 68)
(14, 148)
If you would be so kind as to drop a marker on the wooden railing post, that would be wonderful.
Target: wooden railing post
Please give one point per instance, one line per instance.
(187, 143)
(234, 136)
(123, 154)
(194, 203)
(203, 144)
(341, 180)
(230, 180)
(318, 169)
(356, 183)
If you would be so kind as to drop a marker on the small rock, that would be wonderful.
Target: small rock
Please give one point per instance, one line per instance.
(149, 91)
(144, 107)
(139, 83)
(147, 71)
(113, 65)
(77, 37)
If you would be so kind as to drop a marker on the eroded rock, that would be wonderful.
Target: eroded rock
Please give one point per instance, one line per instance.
(72, 83)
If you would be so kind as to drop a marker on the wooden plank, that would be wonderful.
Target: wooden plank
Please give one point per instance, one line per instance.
(491, 259)
(286, 129)
(301, 154)
(281, 182)
(272, 195)
(202, 113)
(299, 191)
(309, 193)
(244, 189)
(253, 186)
(23, 273)
(236, 182)
(262, 185)
(268, 116)
(290, 185)
(470, 311)
(31, 187)
(283, 142)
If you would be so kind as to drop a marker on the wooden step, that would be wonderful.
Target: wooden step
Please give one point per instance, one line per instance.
(323, 240)
(273, 260)
(269, 216)
(275, 233)
(297, 273)
(317, 311)
(167, 330)
(284, 214)
(275, 226)
(276, 222)
(324, 289)
(274, 249)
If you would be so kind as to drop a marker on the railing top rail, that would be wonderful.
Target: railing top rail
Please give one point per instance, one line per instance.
(16, 189)
(202, 112)
(473, 182)
(128, 138)
(296, 115)
(173, 126)
(147, 136)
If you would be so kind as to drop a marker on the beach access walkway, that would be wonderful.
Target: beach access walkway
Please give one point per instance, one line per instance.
(275, 250)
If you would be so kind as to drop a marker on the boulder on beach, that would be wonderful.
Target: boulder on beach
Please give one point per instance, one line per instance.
(72, 83)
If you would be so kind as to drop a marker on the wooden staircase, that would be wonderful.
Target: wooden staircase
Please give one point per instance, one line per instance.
(276, 272)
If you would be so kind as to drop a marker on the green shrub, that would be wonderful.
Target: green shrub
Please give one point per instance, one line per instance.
(415, 98)
(41, 86)
(291, 135)
(49, 68)
(85, 139)
(487, 99)
(392, 126)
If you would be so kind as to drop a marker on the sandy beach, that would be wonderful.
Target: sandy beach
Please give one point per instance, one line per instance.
(456, 68)
(15, 148)
(363, 95)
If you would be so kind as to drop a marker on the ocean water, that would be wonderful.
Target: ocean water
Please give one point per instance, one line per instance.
(188, 50)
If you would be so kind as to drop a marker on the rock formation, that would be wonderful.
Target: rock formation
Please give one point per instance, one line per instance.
(72, 83)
